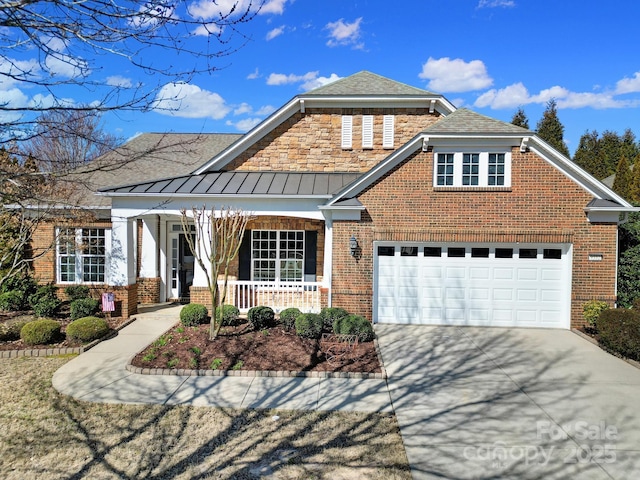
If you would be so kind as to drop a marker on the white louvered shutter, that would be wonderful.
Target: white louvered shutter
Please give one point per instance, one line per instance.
(347, 131)
(367, 131)
(387, 131)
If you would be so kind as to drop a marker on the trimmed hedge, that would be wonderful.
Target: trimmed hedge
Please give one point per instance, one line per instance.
(288, 317)
(84, 307)
(193, 314)
(330, 315)
(619, 331)
(41, 332)
(261, 317)
(230, 315)
(87, 329)
(355, 325)
(592, 310)
(309, 325)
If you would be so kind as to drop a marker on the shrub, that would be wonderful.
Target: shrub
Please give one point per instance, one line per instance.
(193, 314)
(45, 302)
(288, 317)
(619, 331)
(309, 325)
(261, 317)
(10, 330)
(84, 307)
(87, 329)
(24, 285)
(229, 315)
(354, 325)
(40, 332)
(11, 301)
(592, 310)
(77, 292)
(330, 315)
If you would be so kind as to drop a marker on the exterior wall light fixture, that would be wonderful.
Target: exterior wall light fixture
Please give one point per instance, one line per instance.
(353, 245)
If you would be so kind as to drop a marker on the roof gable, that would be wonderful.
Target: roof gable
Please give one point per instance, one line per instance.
(465, 121)
(366, 83)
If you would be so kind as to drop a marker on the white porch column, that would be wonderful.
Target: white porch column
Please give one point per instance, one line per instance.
(122, 266)
(328, 254)
(149, 267)
(199, 275)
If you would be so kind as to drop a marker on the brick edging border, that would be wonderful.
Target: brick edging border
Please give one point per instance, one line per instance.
(49, 352)
(261, 373)
(595, 342)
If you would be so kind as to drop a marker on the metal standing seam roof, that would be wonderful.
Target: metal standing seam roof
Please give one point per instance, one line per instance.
(302, 184)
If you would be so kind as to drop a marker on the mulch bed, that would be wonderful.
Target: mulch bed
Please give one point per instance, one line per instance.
(113, 322)
(240, 348)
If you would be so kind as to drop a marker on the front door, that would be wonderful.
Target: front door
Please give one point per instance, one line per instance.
(181, 266)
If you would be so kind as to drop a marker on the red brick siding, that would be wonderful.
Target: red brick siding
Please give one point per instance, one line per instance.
(542, 205)
(311, 141)
(148, 290)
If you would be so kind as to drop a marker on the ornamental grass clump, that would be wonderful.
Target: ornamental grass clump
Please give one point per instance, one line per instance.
(41, 332)
(193, 314)
(87, 329)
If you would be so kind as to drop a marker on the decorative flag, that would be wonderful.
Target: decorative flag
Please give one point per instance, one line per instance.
(108, 302)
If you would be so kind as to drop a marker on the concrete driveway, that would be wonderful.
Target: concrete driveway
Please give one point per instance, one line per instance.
(511, 403)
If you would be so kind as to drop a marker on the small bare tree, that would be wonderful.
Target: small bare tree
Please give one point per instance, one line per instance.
(217, 242)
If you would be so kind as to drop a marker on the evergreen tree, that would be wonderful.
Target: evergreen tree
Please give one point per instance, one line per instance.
(589, 157)
(623, 182)
(551, 130)
(628, 146)
(520, 119)
(611, 148)
(635, 181)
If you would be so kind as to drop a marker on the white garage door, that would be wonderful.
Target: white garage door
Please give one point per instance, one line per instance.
(471, 284)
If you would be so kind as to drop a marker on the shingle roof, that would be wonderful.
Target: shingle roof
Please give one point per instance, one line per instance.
(149, 156)
(367, 83)
(243, 183)
(465, 121)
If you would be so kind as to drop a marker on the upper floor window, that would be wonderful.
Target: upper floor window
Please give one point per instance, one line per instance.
(472, 169)
(81, 255)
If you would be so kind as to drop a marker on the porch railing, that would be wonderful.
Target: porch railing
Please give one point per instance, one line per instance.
(277, 295)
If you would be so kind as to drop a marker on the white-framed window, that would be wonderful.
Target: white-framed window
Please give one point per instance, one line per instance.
(367, 131)
(347, 132)
(388, 126)
(277, 255)
(472, 169)
(81, 254)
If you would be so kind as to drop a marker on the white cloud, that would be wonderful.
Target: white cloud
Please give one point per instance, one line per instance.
(150, 14)
(119, 81)
(255, 74)
(59, 63)
(276, 32)
(190, 101)
(341, 33)
(242, 109)
(13, 71)
(517, 94)
(308, 81)
(266, 110)
(446, 75)
(275, 7)
(245, 125)
(628, 85)
(496, 3)
(207, 29)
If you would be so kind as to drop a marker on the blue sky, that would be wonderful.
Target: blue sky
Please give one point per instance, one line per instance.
(488, 55)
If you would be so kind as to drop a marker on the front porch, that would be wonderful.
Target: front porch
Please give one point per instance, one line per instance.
(308, 297)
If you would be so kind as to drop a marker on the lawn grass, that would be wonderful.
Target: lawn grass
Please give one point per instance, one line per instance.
(45, 435)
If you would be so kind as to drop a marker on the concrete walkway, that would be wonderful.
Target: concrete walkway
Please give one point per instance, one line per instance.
(99, 375)
(470, 402)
